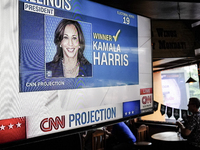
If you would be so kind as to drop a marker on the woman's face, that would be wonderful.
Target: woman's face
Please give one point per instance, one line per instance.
(70, 42)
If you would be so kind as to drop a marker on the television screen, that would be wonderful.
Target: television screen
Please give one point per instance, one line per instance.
(71, 64)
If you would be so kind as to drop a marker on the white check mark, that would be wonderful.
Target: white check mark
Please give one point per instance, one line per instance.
(116, 36)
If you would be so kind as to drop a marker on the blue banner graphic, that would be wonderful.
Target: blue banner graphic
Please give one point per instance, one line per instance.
(131, 108)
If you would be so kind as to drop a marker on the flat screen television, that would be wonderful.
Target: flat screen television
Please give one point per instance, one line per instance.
(71, 65)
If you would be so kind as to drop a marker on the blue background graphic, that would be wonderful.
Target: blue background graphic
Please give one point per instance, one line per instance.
(95, 10)
(131, 108)
(37, 48)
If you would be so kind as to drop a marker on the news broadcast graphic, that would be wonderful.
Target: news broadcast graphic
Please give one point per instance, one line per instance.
(12, 129)
(146, 97)
(67, 120)
(111, 79)
(111, 48)
(131, 108)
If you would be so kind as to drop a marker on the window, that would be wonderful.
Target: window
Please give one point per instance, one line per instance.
(171, 90)
(176, 92)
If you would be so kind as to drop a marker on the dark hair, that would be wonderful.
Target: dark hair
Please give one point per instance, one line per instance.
(58, 37)
(195, 101)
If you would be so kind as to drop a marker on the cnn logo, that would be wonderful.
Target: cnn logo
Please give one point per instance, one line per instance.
(48, 124)
(146, 99)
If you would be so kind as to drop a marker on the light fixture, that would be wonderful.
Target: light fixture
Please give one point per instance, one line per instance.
(190, 80)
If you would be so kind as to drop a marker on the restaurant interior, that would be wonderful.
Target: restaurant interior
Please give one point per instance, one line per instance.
(165, 14)
(180, 21)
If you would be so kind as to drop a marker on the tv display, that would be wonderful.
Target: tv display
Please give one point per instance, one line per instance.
(72, 65)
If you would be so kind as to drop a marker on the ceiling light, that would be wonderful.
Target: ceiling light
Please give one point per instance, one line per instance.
(190, 80)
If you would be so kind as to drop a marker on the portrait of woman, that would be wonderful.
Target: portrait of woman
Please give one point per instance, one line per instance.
(69, 60)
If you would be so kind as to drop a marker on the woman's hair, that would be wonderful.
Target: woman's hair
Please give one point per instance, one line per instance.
(195, 101)
(58, 37)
